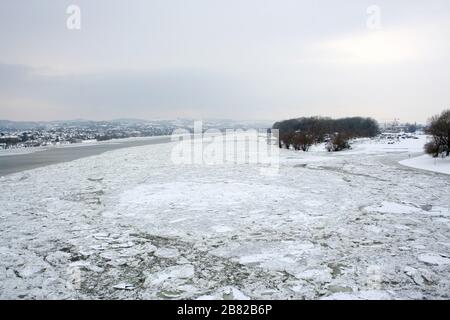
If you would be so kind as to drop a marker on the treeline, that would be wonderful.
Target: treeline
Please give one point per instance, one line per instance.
(302, 133)
(439, 129)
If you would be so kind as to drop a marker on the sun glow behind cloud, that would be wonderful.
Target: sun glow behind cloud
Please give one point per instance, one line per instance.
(376, 47)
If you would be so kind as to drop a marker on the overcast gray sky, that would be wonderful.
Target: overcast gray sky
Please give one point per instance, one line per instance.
(252, 59)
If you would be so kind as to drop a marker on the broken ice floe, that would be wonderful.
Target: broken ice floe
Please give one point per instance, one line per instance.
(394, 208)
(225, 293)
(184, 271)
(167, 253)
(124, 286)
(433, 259)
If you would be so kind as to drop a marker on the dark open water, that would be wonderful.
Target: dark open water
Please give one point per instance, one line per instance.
(16, 163)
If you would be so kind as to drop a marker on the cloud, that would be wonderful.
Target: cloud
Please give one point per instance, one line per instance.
(425, 43)
(238, 59)
(102, 95)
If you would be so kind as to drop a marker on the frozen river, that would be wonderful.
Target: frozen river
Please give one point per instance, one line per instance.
(132, 224)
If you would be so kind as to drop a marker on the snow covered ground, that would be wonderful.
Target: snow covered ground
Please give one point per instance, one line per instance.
(426, 162)
(131, 224)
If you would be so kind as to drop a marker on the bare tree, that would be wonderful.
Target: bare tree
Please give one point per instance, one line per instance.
(439, 128)
(303, 141)
(338, 142)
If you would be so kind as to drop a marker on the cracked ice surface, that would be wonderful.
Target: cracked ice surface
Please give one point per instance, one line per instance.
(130, 224)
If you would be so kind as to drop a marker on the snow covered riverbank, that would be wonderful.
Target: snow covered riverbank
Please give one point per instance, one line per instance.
(131, 224)
(426, 162)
